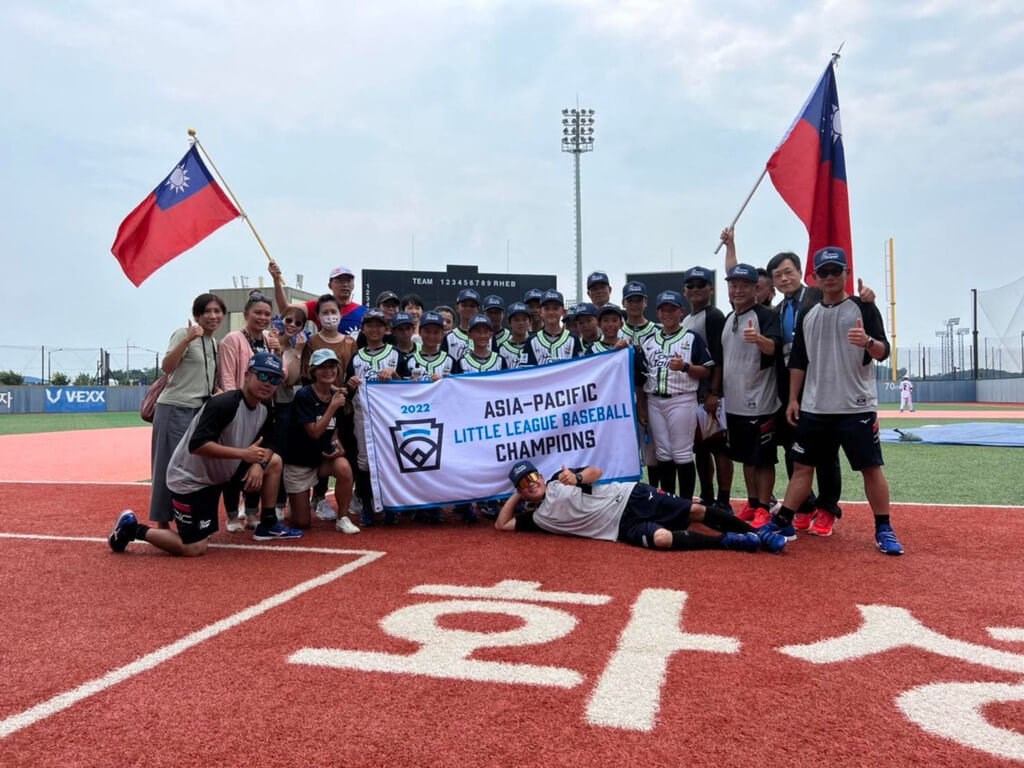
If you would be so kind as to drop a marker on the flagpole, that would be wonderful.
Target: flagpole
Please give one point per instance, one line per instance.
(835, 60)
(238, 205)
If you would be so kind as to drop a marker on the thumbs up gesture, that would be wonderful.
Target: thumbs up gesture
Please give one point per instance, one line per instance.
(194, 331)
(866, 294)
(856, 335)
(750, 333)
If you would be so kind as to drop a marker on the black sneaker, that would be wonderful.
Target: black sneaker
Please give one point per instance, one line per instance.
(124, 531)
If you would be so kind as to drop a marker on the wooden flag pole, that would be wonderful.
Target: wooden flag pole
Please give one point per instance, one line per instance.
(238, 205)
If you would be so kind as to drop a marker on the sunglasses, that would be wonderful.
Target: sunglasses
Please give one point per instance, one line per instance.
(525, 480)
(293, 321)
(268, 378)
(697, 284)
(829, 272)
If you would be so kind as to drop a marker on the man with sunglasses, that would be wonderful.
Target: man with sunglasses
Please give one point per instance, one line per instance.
(571, 502)
(833, 401)
(228, 439)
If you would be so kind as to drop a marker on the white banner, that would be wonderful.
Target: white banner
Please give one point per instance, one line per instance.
(454, 440)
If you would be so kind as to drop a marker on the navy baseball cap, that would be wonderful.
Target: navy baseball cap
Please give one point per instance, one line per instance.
(596, 278)
(387, 296)
(266, 363)
(534, 294)
(401, 318)
(515, 308)
(431, 318)
(611, 309)
(586, 309)
(480, 320)
(493, 302)
(374, 314)
(697, 273)
(552, 295)
(743, 272)
(669, 297)
(520, 470)
(468, 294)
(634, 289)
(830, 255)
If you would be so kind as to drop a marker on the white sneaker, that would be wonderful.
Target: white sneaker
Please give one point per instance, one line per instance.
(356, 506)
(346, 526)
(251, 521)
(235, 525)
(324, 511)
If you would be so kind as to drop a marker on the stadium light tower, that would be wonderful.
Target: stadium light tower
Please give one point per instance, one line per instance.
(577, 138)
(961, 332)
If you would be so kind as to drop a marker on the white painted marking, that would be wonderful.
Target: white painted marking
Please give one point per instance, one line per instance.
(628, 695)
(956, 711)
(444, 653)
(1007, 634)
(510, 589)
(290, 546)
(886, 628)
(67, 699)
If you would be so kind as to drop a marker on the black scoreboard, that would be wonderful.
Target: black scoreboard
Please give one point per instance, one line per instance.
(437, 288)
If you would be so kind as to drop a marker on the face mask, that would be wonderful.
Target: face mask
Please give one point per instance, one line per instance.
(330, 321)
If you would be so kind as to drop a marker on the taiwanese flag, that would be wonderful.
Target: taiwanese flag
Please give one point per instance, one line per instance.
(808, 169)
(185, 208)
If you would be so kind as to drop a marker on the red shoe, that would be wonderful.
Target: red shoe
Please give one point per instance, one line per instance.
(747, 513)
(802, 520)
(823, 523)
(761, 517)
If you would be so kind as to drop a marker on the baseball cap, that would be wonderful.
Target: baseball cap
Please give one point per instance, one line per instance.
(493, 302)
(374, 314)
(669, 297)
(467, 294)
(385, 296)
(520, 470)
(401, 318)
(515, 308)
(634, 289)
(596, 278)
(697, 273)
(830, 255)
(743, 272)
(586, 309)
(611, 309)
(534, 294)
(267, 363)
(480, 320)
(322, 356)
(341, 272)
(431, 318)
(552, 295)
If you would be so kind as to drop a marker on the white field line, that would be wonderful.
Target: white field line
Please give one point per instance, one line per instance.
(63, 701)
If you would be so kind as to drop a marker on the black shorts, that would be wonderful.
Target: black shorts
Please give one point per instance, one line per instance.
(819, 437)
(195, 514)
(752, 440)
(649, 509)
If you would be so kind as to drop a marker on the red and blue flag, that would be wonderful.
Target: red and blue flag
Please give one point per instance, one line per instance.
(808, 169)
(185, 208)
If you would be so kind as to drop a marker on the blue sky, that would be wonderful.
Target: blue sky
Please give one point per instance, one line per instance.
(350, 129)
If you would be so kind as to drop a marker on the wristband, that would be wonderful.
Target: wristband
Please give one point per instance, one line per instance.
(869, 343)
(579, 478)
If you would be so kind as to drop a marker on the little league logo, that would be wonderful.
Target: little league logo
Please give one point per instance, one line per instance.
(417, 444)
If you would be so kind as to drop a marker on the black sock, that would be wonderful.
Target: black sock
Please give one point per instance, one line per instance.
(667, 476)
(320, 489)
(687, 479)
(723, 521)
(139, 534)
(881, 520)
(705, 471)
(689, 540)
(723, 497)
(784, 516)
(268, 516)
(653, 475)
(752, 502)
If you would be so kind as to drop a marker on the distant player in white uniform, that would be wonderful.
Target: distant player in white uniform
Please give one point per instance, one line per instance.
(906, 394)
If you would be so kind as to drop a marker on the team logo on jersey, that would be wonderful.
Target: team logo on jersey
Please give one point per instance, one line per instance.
(418, 445)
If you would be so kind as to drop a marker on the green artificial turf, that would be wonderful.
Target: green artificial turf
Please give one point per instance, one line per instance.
(23, 423)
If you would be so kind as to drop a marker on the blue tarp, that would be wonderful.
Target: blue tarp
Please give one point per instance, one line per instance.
(972, 433)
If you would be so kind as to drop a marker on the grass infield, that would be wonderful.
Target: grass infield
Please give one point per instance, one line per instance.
(918, 473)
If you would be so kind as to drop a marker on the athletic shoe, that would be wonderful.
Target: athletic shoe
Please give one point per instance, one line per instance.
(324, 510)
(235, 524)
(761, 517)
(802, 520)
(747, 513)
(356, 506)
(788, 532)
(771, 540)
(774, 506)
(741, 542)
(123, 532)
(277, 532)
(886, 540)
(823, 522)
(366, 518)
(252, 521)
(345, 526)
(468, 514)
(390, 518)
